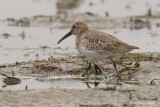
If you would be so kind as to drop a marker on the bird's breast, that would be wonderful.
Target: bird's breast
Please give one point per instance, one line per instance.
(94, 54)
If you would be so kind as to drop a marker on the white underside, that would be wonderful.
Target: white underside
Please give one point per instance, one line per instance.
(98, 54)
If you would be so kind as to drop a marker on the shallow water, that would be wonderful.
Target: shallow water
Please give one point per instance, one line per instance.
(63, 82)
(120, 7)
(24, 44)
(30, 43)
(19, 8)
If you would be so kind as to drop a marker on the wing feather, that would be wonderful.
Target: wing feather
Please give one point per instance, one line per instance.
(102, 41)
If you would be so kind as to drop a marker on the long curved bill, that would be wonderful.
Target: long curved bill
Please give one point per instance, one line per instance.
(64, 37)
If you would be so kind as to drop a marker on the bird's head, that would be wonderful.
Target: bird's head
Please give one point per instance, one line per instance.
(77, 29)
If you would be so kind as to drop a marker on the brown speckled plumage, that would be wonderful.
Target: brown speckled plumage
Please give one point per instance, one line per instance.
(93, 43)
(97, 45)
(96, 40)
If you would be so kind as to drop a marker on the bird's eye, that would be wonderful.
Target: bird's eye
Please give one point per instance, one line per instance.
(74, 26)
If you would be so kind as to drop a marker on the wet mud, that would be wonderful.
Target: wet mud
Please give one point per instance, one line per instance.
(139, 84)
(35, 71)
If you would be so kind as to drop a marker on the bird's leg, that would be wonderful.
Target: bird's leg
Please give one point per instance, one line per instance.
(88, 68)
(96, 84)
(115, 67)
(97, 69)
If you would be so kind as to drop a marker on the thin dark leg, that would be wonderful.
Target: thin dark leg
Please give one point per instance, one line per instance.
(115, 67)
(97, 69)
(88, 68)
(87, 84)
(96, 84)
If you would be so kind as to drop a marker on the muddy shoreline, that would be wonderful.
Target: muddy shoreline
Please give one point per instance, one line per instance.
(133, 90)
(95, 21)
(57, 81)
(45, 74)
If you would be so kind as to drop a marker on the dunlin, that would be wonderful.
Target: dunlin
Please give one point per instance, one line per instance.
(97, 45)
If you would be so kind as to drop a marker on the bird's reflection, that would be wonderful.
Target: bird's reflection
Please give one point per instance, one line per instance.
(95, 84)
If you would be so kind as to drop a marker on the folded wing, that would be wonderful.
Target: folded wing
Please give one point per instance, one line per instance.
(101, 41)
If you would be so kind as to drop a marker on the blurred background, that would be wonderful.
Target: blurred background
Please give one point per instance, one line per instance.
(30, 29)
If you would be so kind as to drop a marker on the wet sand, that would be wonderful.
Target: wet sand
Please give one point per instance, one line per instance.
(82, 98)
(134, 91)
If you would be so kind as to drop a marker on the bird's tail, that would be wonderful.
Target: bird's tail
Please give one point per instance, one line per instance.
(132, 47)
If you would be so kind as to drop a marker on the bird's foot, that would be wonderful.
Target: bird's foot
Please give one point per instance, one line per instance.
(97, 69)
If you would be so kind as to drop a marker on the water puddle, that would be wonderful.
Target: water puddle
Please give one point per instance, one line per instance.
(63, 82)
